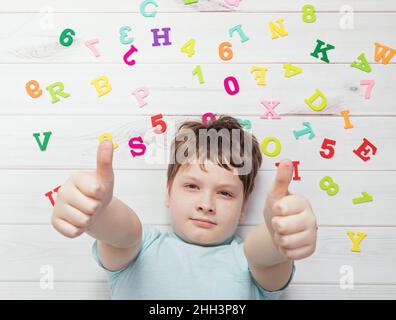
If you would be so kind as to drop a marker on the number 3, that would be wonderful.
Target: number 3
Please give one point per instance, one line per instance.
(124, 34)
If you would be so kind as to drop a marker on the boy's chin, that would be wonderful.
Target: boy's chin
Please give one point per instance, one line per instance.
(208, 240)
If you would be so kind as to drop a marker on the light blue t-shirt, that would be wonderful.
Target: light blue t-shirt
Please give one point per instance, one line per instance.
(167, 267)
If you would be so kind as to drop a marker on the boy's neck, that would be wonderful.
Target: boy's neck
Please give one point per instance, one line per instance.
(228, 241)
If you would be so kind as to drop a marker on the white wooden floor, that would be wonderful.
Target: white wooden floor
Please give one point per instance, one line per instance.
(27, 51)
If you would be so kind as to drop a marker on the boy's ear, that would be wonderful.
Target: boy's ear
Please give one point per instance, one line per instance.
(243, 213)
(166, 202)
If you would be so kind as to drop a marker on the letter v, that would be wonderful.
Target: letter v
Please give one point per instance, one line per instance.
(43, 146)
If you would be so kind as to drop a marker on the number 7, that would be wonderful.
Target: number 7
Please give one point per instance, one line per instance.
(90, 44)
(370, 84)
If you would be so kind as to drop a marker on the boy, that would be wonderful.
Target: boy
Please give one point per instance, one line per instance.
(200, 257)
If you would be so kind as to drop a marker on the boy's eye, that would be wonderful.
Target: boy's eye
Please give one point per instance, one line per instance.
(192, 185)
(226, 193)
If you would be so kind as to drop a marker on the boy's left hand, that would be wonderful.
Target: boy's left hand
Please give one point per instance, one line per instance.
(289, 217)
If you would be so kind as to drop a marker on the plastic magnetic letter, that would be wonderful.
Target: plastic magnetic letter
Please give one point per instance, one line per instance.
(370, 84)
(290, 70)
(259, 73)
(363, 150)
(295, 166)
(33, 89)
(308, 129)
(56, 89)
(90, 44)
(345, 114)
(134, 145)
(197, 70)
(49, 195)
(128, 54)
(238, 28)
(346, 21)
(365, 198)
(164, 36)
(270, 105)
(206, 116)
(189, 48)
(43, 146)
(227, 85)
(277, 31)
(383, 53)
(225, 51)
(101, 85)
(329, 186)
(362, 64)
(109, 137)
(140, 94)
(277, 149)
(124, 35)
(66, 38)
(356, 241)
(156, 121)
(246, 124)
(328, 145)
(308, 11)
(313, 98)
(143, 6)
(323, 51)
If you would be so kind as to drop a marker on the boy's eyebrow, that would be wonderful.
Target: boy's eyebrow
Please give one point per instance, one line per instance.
(219, 185)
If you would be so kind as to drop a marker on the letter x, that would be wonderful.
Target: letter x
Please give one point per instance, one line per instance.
(270, 105)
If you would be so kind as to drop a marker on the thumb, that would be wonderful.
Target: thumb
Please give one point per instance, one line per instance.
(104, 166)
(284, 175)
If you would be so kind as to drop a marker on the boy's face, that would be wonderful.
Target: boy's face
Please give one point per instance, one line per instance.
(197, 195)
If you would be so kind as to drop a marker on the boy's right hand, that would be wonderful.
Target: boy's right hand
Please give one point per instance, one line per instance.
(82, 198)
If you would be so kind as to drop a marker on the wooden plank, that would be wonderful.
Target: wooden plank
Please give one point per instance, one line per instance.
(174, 90)
(202, 5)
(78, 136)
(332, 292)
(27, 248)
(61, 291)
(23, 200)
(24, 41)
(99, 291)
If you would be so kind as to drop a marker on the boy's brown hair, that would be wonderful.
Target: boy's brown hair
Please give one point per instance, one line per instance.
(223, 122)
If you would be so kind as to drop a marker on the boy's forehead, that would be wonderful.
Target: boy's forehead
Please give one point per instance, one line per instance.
(194, 170)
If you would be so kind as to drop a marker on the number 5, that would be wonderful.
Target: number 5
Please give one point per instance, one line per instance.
(328, 145)
(155, 122)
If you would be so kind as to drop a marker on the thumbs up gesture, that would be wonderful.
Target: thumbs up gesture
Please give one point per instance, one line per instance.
(85, 195)
(289, 217)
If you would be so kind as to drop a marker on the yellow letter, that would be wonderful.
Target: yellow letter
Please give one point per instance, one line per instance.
(102, 88)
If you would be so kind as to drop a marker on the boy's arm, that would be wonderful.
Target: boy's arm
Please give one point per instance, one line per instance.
(268, 266)
(85, 203)
(289, 233)
(119, 232)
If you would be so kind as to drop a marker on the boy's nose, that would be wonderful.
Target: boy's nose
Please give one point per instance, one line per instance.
(205, 209)
(205, 203)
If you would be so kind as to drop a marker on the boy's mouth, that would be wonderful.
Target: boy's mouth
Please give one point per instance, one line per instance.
(204, 223)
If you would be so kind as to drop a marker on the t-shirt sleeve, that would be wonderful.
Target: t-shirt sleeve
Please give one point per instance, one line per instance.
(149, 235)
(273, 295)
